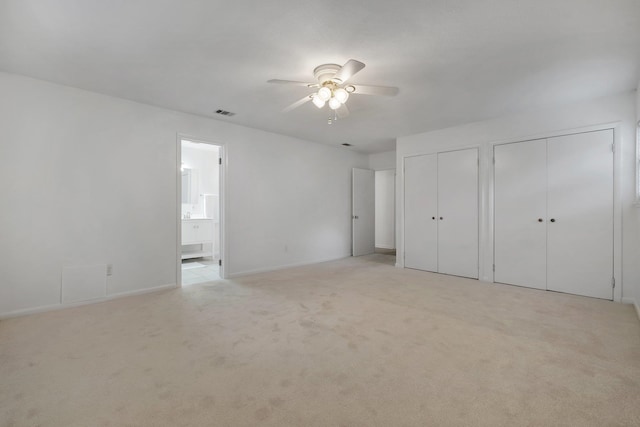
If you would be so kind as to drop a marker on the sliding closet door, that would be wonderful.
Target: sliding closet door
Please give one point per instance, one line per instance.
(458, 213)
(420, 210)
(580, 214)
(520, 241)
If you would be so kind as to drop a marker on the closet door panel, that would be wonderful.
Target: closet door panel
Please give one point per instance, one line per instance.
(458, 213)
(580, 214)
(520, 200)
(420, 209)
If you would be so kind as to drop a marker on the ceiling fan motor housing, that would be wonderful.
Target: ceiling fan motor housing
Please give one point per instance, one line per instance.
(325, 72)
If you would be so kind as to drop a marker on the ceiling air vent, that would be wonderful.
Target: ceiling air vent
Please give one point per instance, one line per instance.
(225, 113)
(346, 144)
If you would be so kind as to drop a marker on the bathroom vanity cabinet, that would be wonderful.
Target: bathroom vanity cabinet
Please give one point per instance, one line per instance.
(197, 232)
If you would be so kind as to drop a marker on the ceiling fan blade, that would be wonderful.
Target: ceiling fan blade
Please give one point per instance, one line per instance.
(348, 70)
(375, 90)
(292, 82)
(297, 104)
(342, 111)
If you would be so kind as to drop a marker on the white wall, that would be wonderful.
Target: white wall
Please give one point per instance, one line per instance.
(89, 179)
(540, 123)
(382, 161)
(385, 195)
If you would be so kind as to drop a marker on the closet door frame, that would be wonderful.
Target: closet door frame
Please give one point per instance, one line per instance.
(486, 212)
(483, 186)
(617, 185)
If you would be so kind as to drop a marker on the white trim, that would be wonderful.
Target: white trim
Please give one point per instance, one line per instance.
(390, 246)
(636, 204)
(561, 132)
(178, 255)
(284, 267)
(56, 307)
(629, 300)
(447, 150)
(222, 184)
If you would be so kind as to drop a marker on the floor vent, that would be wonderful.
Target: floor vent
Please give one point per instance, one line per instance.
(225, 113)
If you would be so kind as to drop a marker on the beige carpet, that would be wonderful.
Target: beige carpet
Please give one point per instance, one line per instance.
(355, 342)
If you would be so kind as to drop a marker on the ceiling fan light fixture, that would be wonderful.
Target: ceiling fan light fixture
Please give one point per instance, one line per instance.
(334, 103)
(341, 95)
(324, 93)
(331, 87)
(317, 101)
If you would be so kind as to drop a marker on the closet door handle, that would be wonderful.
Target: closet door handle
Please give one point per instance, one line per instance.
(433, 217)
(540, 220)
(441, 218)
(553, 220)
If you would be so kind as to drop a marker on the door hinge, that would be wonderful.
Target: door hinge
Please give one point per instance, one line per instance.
(494, 268)
(219, 160)
(494, 160)
(613, 282)
(613, 147)
(220, 262)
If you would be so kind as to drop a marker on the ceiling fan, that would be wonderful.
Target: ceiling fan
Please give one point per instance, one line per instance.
(333, 88)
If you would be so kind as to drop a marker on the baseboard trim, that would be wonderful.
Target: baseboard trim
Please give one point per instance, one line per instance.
(385, 246)
(632, 301)
(282, 267)
(43, 309)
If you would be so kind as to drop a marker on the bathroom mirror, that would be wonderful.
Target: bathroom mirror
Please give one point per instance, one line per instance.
(189, 186)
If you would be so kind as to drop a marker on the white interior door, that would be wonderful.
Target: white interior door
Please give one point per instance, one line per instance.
(363, 215)
(458, 213)
(420, 212)
(580, 214)
(520, 214)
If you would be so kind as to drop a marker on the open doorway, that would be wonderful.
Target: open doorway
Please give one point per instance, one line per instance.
(373, 213)
(200, 238)
(385, 212)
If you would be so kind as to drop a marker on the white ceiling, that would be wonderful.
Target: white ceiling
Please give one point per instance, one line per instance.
(455, 61)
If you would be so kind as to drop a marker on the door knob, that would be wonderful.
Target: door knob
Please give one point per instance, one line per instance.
(440, 217)
(433, 217)
(540, 220)
(553, 220)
